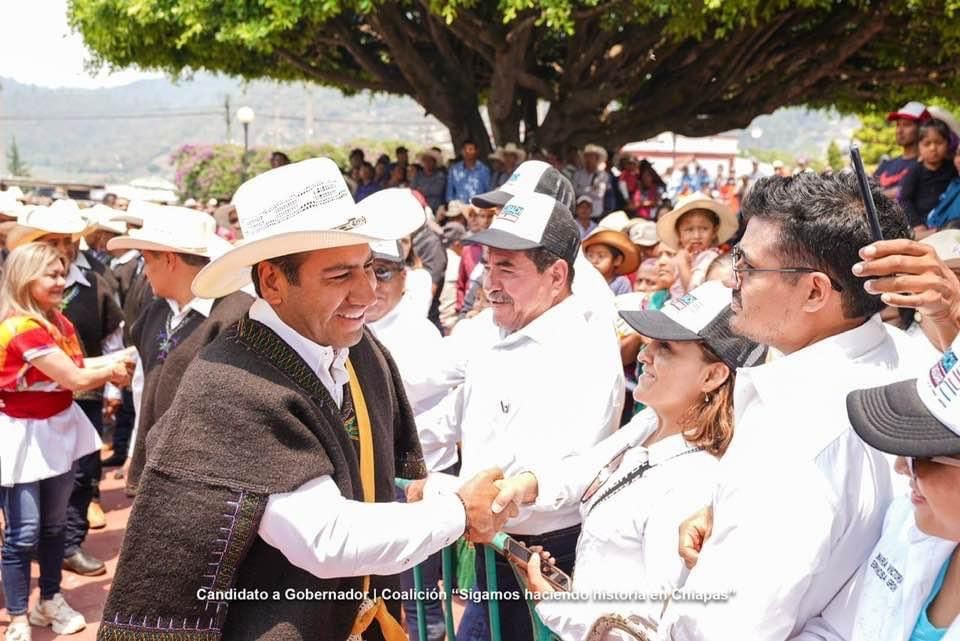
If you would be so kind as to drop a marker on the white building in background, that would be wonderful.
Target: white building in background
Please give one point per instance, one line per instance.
(670, 150)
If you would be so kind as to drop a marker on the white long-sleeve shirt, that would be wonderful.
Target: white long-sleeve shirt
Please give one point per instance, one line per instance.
(801, 498)
(548, 390)
(318, 530)
(882, 602)
(416, 346)
(629, 539)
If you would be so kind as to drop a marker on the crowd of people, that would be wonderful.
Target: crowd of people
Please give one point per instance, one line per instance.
(725, 413)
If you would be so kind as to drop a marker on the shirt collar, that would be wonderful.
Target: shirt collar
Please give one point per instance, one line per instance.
(200, 305)
(791, 372)
(74, 275)
(668, 448)
(325, 361)
(556, 322)
(82, 262)
(124, 258)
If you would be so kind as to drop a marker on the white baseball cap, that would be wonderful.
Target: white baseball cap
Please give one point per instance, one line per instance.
(532, 176)
(529, 221)
(919, 418)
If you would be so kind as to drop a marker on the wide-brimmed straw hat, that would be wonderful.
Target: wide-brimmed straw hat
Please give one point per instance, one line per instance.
(9, 205)
(619, 241)
(431, 153)
(302, 207)
(596, 149)
(62, 217)
(103, 218)
(667, 224)
(175, 229)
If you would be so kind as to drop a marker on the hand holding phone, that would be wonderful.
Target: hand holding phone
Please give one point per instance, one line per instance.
(520, 554)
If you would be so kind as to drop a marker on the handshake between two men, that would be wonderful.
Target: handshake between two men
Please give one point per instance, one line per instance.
(488, 499)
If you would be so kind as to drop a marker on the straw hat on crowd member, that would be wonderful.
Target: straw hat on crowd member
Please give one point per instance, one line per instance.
(642, 232)
(433, 154)
(596, 149)
(302, 207)
(103, 218)
(616, 220)
(62, 217)
(180, 230)
(10, 207)
(617, 240)
(725, 219)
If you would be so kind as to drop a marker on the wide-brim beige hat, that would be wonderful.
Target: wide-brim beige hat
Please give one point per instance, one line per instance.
(615, 220)
(62, 217)
(180, 230)
(514, 149)
(103, 218)
(431, 153)
(621, 242)
(302, 207)
(947, 245)
(596, 149)
(667, 224)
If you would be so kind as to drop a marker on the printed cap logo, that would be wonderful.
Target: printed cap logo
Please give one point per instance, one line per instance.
(511, 212)
(514, 177)
(683, 302)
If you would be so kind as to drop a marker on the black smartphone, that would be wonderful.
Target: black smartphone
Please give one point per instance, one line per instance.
(872, 218)
(517, 552)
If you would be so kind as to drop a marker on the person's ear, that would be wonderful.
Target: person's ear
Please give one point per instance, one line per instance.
(818, 292)
(714, 376)
(617, 261)
(273, 283)
(558, 275)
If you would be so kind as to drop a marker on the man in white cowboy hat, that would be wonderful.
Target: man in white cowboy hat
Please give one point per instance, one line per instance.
(590, 179)
(101, 228)
(510, 155)
(176, 244)
(506, 412)
(89, 302)
(430, 180)
(285, 445)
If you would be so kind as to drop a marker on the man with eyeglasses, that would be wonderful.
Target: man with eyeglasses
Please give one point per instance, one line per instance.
(801, 498)
(910, 582)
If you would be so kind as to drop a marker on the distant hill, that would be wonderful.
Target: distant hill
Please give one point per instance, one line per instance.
(128, 132)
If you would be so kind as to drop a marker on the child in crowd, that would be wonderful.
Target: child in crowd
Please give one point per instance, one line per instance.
(928, 179)
(695, 229)
(948, 207)
(614, 256)
(583, 213)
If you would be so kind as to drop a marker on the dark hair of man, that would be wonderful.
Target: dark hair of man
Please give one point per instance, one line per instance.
(936, 125)
(468, 141)
(543, 259)
(823, 225)
(281, 157)
(188, 259)
(288, 265)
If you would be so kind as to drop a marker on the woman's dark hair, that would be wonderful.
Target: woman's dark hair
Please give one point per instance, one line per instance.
(935, 124)
(822, 224)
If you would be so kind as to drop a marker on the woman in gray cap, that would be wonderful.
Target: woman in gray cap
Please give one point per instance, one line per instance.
(909, 586)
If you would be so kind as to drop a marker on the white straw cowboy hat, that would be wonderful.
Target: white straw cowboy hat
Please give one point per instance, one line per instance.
(667, 225)
(596, 149)
(302, 207)
(9, 205)
(101, 217)
(180, 230)
(62, 217)
(138, 211)
(513, 149)
(431, 153)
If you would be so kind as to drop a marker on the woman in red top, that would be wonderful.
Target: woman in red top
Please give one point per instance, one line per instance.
(42, 432)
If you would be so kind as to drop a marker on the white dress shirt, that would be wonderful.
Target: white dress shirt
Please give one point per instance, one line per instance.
(318, 530)
(629, 540)
(882, 602)
(416, 346)
(548, 390)
(800, 498)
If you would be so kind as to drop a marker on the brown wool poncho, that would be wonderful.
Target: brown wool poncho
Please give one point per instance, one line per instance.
(253, 420)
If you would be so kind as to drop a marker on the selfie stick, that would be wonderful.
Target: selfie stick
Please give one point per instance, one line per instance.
(865, 192)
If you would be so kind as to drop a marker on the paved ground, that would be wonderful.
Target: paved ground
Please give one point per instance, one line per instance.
(87, 594)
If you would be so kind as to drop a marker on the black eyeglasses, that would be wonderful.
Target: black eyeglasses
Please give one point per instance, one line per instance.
(738, 270)
(385, 274)
(943, 460)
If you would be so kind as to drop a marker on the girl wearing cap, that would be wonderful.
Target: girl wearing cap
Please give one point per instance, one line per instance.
(908, 588)
(695, 229)
(42, 432)
(639, 484)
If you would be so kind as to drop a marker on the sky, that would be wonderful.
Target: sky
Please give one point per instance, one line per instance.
(41, 49)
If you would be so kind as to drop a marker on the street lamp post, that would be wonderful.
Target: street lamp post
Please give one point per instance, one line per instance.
(245, 115)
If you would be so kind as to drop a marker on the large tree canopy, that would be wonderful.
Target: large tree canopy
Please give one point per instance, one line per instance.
(611, 70)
